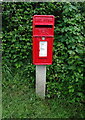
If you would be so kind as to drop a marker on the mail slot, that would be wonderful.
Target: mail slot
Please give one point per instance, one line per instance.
(43, 36)
(43, 26)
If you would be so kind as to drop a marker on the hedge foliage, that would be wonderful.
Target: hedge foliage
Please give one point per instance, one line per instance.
(65, 75)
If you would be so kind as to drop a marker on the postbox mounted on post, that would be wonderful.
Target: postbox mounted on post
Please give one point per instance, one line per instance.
(43, 36)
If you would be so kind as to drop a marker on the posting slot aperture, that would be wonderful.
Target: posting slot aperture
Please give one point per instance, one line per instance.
(43, 26)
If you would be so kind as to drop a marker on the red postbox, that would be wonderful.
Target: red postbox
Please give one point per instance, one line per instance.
(43, 35)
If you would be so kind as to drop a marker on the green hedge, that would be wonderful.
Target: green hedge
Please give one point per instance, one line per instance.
(65, 75)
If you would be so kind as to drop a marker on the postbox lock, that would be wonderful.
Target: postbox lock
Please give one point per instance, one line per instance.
(43, 38)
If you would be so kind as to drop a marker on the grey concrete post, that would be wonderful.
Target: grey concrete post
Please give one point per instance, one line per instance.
(40, 80)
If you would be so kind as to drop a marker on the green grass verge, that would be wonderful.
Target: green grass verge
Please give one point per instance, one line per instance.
(21, 102)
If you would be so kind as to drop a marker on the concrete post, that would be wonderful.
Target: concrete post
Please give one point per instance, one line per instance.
(40, 80)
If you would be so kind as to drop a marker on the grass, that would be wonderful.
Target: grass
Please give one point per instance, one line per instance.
(20, 101)
(23, 103)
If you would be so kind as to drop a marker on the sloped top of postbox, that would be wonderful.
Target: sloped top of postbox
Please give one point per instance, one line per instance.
(43, 20)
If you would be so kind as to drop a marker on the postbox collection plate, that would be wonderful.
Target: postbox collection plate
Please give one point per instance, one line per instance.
(43, 49)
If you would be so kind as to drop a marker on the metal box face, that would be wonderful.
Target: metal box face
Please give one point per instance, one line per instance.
(43, 35)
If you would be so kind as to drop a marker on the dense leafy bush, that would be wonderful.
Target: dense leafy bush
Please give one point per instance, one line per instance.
(65, 75)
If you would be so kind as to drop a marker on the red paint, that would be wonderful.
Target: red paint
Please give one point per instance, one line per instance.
(43, 26)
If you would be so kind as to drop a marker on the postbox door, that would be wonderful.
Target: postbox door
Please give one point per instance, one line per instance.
(42, 50)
